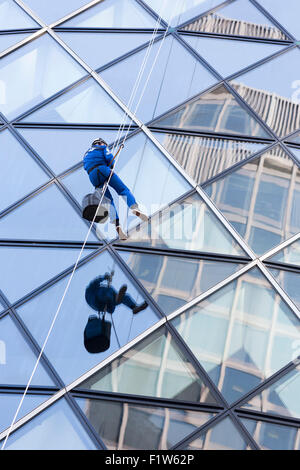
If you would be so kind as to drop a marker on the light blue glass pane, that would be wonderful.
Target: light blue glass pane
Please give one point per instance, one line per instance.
(47, 216)
(255, 197)
(239, 18)
(87, 104)
(65, 348)
(148, 174)
(20, 174)
(177, 12)
(272, 436)
(296, 152)
(127, 426)
(202, 157)
(156, 367)
(281, 398)
(241, 53)
(54, 10)
(186, 225)
(222, 436)
(8, 40)
(289, 255)
(63, 148)
(176, 76)
(45, 68)
(113, 14)
(177, 278)
(56, 428)
(98, 49)
(286, 15)
(215, 111)
(9, 403)
(277, 83)
(25, 269)
(17, 360)
(289, 281)
(13, 17)
(295, 138)
(249, 340)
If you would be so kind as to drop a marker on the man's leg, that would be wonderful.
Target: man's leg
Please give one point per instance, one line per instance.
(130, 303)
(114, 216)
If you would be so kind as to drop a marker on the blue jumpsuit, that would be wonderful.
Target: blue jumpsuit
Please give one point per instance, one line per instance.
(98, 156)
(99, 295)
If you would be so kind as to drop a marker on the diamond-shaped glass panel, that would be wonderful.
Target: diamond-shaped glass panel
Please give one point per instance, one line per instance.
(33, 73)
(261, 199)
(154, 367)
(241, 334)
(239, 18)
(216, 111)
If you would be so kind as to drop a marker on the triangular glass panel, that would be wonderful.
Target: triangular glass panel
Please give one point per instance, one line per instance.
(176, 13)
(14, 17)
(172, 281)
(216, 111)
(46, 216)
(56, 428)
(8, 40)
(86, 103)
(290, 282)
(69, 354)
(169, 84)
(63, 148)
(271, 436)
(23, 269)
(281, 398)
(45, 69)
(98, 49)
(294, 139)
(9, 403)
(17, 360)
(289, 255)
(54, 10)
(242, 334)
(154, 367)
(254, 198)
(186, 225)
(139, 165)
(16, 161)
(237, 19)
(221, 436)
(202, 158)
(241, 53)
(113, 14)
(275, 101)
(132, 426)
(288, 16)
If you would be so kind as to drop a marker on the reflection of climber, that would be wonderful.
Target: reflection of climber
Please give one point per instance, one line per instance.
(98, 163)
(102, 297)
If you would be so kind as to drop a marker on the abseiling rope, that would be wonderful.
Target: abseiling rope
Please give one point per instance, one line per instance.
(126, 113)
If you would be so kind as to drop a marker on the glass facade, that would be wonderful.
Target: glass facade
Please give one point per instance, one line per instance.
(205, 95)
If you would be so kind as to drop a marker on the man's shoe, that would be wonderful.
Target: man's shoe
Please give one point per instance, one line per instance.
(136, 211)
(121, 294)
(121, 234)
(139, 308)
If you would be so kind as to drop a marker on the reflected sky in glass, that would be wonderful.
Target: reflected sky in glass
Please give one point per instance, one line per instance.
(172, 281)
(272, 436)
(54, 10)
(289, 255)
(222, 436)
(176, 76)
(261, 199)
(65, 347)
(14, 17)
(56, 428)
(8, 40)
(287, 16)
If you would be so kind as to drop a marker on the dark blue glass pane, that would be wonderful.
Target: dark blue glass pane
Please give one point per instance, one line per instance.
(56, 428)
(271, 436)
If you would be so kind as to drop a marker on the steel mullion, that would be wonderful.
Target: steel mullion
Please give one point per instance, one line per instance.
(273, 20)
(256, 39)
(271, 418)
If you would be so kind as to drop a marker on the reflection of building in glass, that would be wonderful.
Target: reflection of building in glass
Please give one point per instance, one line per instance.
(214, 23)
